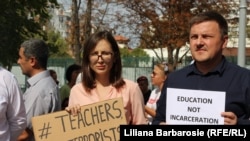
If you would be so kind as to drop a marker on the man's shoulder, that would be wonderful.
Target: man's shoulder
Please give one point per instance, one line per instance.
(238, 68)
(5, 72)
(180, 71)
(44, 84)
(6, 76)
(48, 82)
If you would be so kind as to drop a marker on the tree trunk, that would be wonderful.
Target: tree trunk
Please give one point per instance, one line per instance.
(76, 31)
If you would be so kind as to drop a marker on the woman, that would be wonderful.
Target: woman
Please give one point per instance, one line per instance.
(101, 79)
(158, 76)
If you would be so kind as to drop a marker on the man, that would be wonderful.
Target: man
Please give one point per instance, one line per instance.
(42, 95)
(211, 71)
(143, 84)
(71, 75)
(12, 117)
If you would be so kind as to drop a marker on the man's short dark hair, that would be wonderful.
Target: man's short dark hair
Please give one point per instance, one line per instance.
(142, 78)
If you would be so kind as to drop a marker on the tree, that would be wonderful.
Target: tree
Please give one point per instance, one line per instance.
(57, 45)
(20, 20)
(95, 16)
(134, 57)
(74, 38)
(165, 23)
(248, 31)
(156, 23)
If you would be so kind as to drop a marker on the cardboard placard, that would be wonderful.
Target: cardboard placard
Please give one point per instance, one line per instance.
(98, 121)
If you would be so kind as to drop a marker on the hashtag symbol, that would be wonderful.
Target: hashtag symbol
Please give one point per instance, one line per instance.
(45, 131)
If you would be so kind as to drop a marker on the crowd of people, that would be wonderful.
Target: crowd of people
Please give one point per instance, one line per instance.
(99, 78)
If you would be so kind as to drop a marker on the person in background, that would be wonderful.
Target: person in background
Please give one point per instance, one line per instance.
(53, 74)
(71, 74)
(102, 70)
(143, 84)
(158, 76)
(65, 103)
(211, 71)
(13, 116)
(42, 95)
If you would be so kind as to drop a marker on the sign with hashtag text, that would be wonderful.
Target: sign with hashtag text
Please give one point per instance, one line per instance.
(98, 121)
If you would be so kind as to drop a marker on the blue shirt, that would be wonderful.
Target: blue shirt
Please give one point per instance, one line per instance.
(42, 97)
(226, 77)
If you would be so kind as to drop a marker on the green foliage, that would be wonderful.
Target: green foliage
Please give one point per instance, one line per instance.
(248, 31)
(134, 57)
(138, 52)
(58, 46)
(164, 23)
(16, 26)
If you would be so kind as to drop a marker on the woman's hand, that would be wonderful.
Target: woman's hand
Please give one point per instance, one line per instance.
(74, 110)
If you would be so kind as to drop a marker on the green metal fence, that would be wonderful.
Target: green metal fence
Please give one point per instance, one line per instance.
(132, 68)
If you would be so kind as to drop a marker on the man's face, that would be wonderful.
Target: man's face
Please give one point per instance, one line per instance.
(206, 42)
(24, 63)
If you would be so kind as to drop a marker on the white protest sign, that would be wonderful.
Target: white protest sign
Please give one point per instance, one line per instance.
(194, 107)
(98, 121)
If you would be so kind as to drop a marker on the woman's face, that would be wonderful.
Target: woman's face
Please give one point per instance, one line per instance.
(158, 76)
(102, 58)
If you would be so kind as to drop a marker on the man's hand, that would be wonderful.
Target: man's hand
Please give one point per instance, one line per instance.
(229, 118)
